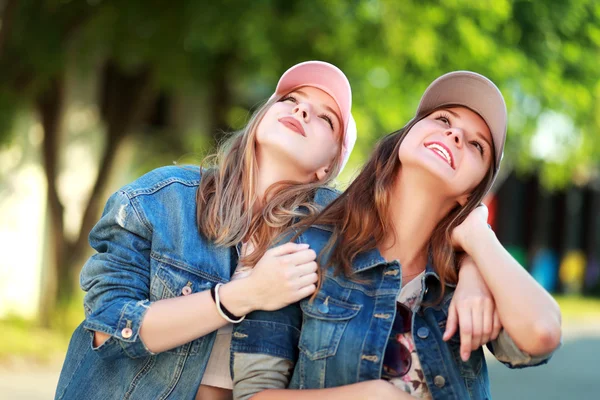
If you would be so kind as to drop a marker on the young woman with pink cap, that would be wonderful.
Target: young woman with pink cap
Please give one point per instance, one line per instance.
(388, 269)
(171, 245)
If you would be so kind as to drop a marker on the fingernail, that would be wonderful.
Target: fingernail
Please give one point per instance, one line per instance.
(305, 245)
(465, 357)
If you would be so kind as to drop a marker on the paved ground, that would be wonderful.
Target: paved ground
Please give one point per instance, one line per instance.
(573, 373)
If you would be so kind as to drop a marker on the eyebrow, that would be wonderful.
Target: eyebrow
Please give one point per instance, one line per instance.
(479, 134)
(325, 106)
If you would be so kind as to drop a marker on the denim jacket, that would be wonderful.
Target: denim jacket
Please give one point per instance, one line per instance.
(148, 249)
(345, 330)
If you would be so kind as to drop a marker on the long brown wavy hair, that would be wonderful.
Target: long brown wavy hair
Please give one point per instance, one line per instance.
(360, 216)
(226, 198)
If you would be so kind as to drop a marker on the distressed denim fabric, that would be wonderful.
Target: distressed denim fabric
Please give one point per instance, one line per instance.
(344, 332)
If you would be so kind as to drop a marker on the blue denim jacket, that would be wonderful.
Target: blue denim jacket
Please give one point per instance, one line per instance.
(345, 330)
(148, 249)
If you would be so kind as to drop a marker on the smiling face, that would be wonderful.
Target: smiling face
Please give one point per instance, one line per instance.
(301, 133)
(453, 145)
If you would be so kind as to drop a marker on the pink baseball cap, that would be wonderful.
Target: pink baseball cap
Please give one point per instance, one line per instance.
(332, 81)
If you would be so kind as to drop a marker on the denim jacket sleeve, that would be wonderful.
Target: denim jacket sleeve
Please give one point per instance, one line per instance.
(264, 350)
(506, 351)
(117, 279)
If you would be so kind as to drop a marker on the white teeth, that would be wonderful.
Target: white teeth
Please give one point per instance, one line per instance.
(441, 151)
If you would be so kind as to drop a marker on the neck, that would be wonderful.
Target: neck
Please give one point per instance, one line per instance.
(272, 170)
(415, 211)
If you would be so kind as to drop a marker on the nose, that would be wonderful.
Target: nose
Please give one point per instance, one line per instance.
(302, 109)
(455, 134)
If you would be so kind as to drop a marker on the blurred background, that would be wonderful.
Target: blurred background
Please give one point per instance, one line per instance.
(95, 93)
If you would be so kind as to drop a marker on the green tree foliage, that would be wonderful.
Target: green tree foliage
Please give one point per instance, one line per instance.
(145, 53)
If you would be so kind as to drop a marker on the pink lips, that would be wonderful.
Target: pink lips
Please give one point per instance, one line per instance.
(293, 124)
(436, 152)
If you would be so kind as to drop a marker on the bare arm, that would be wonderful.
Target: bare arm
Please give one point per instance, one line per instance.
(528, 313)
(369, 390)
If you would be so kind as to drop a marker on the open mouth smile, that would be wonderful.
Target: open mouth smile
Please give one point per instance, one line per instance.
(441, 151)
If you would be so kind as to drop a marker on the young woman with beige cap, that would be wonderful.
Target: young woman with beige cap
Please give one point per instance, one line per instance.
(160, 285)
(388, 258)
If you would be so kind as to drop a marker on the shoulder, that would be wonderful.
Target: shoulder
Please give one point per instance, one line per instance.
(325, 195)
(184, 176)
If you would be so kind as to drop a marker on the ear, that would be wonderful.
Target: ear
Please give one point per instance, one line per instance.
(322, 172)
(462, 200)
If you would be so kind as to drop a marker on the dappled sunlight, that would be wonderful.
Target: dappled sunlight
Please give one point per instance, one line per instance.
(22, 218)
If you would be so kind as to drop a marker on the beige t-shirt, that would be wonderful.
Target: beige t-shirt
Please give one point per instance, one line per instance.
(217, 370)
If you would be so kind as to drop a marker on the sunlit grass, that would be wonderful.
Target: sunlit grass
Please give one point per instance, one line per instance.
(23, 338)
(579, 308)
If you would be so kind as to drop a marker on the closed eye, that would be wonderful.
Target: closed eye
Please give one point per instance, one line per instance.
(327, 119)
(289, 98)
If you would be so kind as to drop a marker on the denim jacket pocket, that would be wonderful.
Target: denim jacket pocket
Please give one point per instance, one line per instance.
(472, 367)
(173, 281)
(324, 322)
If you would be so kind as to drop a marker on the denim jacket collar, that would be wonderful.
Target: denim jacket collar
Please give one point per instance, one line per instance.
(371, 258)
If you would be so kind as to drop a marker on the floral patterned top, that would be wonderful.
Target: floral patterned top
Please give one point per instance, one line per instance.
(414, 381)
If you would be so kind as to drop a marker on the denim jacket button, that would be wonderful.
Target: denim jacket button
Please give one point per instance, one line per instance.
(439, 381)
(423, 333)
(186, 290)
(323, 309)
(126, 333)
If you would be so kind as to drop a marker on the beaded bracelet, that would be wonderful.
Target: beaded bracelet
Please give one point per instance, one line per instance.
(221, 309)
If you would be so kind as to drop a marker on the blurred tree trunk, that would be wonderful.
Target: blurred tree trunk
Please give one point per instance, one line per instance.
(50, 107)
(220, 96)
(8, 13)
(124, 97)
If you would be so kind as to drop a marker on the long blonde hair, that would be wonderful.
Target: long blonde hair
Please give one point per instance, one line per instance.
(226, 197)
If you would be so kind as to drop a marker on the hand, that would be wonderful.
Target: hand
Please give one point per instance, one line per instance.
(380, 389)
(284, 275)
(462, 235)
(473, 309)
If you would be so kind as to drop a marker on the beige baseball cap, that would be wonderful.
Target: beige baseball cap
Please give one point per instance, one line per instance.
(475, 91)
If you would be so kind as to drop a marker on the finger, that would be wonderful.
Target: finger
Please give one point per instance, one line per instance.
(451, 322)
(303, 292)
(465, 321)
(477, 312)
(497, 327)
(306, 280)
(488, 322)
(305, 269)
(300, 257)
(287, 248)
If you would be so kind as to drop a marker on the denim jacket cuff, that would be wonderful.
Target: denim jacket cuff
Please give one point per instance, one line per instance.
(126, 332)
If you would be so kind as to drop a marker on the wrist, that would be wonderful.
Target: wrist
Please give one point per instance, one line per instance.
(230, 296)
(466, 266)
(474, 237)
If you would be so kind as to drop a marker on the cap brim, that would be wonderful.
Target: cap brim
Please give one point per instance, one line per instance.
(476, 92)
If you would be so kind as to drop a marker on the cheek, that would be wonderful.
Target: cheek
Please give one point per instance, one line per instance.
(407, 148)
(266, 124)
(476, 174)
